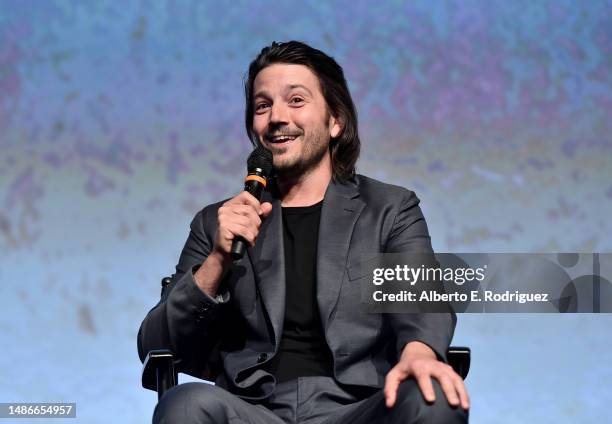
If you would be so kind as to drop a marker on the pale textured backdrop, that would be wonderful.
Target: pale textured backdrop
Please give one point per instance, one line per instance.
(120, 120)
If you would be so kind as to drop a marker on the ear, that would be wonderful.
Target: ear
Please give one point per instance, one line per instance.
(335, 126)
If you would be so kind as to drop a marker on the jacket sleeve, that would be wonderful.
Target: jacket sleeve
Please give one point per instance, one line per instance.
(185, 319)
(409, 233)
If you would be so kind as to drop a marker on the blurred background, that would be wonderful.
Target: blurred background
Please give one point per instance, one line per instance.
(120, 120)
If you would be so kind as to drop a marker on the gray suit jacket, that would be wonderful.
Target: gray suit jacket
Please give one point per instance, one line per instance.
(227, 338)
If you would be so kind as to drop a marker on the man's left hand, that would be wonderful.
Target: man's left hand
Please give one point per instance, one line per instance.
(419, 362)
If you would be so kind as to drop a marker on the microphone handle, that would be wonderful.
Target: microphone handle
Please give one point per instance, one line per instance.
(254, 187)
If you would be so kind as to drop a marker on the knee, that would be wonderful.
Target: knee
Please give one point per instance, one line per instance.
(410, 402)
(190, 403)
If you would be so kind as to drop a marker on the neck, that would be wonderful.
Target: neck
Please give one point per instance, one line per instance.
(305, 189)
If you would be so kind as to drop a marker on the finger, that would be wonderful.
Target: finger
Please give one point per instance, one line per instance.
(245, 232)
(392, 382)
(448, 387)
(244, 198)
(426, 387)
(266, 208)
(230, 219)
(231, 210)
(247, 198)
(251, 223)
(237, 225)
(462, 391)
(249, 212)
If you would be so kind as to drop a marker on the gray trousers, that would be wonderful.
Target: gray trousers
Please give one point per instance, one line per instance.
(308, 400)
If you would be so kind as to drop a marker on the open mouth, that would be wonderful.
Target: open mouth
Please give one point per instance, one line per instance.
(281, 139)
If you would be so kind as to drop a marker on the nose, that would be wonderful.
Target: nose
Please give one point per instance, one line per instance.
(278, 114)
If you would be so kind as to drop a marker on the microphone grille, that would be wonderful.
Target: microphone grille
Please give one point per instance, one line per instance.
(260, 158)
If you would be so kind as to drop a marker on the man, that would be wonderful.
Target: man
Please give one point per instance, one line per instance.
(282, 331)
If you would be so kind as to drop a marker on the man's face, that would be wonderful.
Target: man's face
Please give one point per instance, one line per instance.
(291, 118)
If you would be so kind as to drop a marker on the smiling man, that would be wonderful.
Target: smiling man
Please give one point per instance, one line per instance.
(282, 332)
(293, 121)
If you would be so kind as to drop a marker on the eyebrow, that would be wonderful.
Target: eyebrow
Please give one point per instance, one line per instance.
(288, 88)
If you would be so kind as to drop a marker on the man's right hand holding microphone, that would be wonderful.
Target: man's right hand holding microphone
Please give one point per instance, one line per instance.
(239, 220)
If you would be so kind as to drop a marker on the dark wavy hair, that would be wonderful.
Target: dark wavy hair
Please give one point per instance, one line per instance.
(345, 147)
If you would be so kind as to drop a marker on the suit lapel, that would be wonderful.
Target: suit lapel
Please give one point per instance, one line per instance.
(340, 211)
(268, 260)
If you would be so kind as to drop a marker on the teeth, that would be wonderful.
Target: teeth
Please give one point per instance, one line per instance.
(282, 138)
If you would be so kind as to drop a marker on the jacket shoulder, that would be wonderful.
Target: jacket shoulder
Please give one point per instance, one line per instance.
(372, 189)
(205, 220)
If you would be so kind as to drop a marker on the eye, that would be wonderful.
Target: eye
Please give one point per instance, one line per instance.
(261, 106)
(296, 100)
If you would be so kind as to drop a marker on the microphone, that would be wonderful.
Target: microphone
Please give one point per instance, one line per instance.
(259, 167)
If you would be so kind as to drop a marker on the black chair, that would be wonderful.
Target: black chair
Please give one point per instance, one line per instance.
(159, 374)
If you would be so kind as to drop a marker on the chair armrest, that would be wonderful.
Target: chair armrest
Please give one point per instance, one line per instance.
(459, 358)
(158, 372)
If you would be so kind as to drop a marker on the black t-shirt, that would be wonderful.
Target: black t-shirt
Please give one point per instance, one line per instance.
(303, 349)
